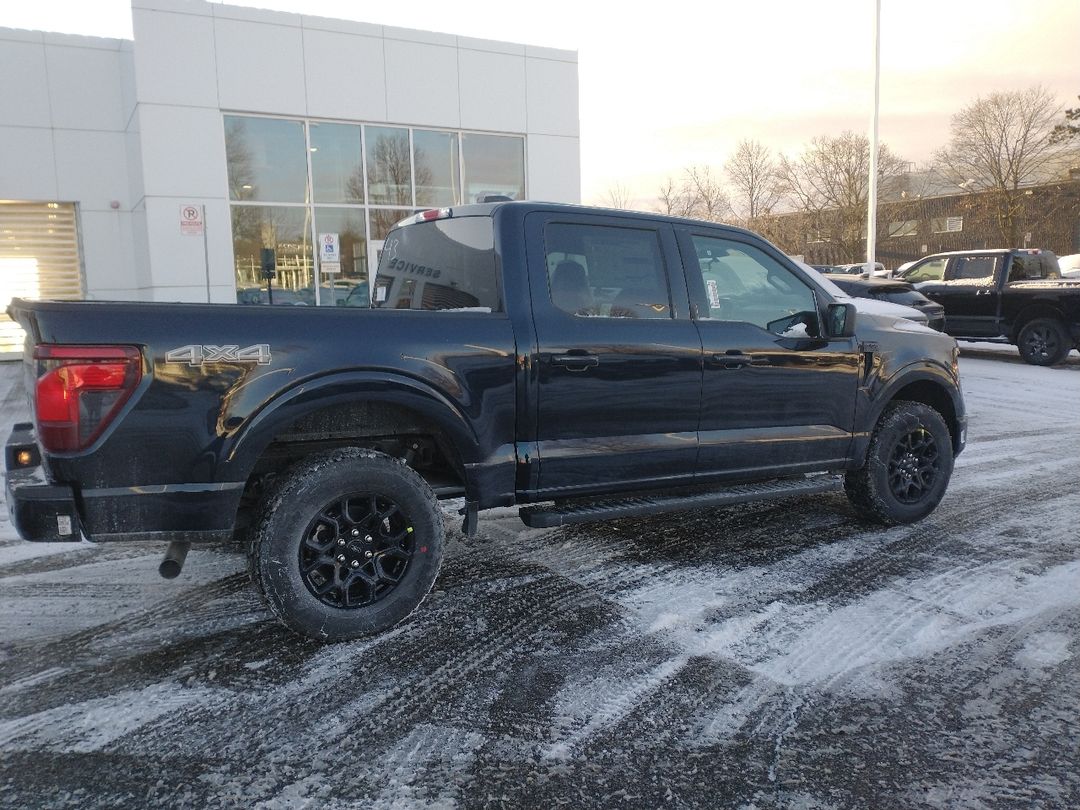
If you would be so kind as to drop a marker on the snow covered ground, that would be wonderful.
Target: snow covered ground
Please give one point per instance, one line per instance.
(764, 656)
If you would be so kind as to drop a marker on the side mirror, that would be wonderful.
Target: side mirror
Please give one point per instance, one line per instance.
(840, 320)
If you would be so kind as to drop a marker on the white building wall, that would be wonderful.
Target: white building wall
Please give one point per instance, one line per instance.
(139, 125)
(62, 138)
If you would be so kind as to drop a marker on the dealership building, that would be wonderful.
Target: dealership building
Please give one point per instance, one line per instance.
(224, 140)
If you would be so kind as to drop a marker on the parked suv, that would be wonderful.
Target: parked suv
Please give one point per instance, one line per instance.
(860, 268)
(895, 291)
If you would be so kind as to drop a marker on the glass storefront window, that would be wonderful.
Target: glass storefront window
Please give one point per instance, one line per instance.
(292, 180)
(337, 168)
(267, 159)
(437, 167)
(383, 219)
(349, 287)
(389, 168)
(287, 231)
(494, 165)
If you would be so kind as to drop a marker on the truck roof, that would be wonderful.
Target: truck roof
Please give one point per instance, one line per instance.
(488, 209)
(994, 251)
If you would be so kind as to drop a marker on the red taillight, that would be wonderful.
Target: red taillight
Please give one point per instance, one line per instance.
(79, 391)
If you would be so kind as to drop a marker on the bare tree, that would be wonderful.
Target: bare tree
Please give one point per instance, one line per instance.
(752, 172)
(1000, 143)
(698, 195)
(389, 172)
(618, 196)
(674, 200)
(241, 174)
(830, 184)
(1067, 130)
(710, 199)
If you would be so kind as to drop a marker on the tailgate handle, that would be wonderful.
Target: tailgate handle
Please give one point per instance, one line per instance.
(575, 360)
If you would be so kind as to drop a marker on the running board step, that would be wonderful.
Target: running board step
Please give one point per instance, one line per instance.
(547, 517)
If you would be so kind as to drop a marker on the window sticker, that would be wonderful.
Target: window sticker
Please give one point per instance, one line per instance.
(714, 293)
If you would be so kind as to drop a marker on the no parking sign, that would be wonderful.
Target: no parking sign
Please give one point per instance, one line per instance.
(191, 220)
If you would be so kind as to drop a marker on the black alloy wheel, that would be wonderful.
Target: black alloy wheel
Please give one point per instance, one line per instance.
(913, 466)
(1043, 342)
(348, 544)
(356, 550)
(907, 468)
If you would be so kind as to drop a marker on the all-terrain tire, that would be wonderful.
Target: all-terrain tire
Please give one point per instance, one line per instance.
(1043, 342)
(360, 506)
(908, 466)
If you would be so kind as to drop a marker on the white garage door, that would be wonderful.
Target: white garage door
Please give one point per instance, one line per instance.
(39, 258)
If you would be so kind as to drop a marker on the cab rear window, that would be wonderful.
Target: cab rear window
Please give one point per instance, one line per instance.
(445, 264)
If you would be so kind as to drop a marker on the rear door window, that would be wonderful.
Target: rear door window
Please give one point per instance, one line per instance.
(975, 270)
(602, 271)
(446, 264)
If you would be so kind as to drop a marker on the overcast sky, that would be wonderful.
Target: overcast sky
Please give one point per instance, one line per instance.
(666, 85)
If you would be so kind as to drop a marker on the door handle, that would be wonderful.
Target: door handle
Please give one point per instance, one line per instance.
(575, 362)
(733, 359)
(984, 292)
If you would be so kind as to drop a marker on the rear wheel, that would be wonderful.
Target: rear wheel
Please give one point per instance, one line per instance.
(349, 544)
(1043, 342)
(908, 466)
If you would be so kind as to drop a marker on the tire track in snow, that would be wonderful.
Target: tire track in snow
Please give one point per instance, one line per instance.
(71, 556)
(958, 522)
(596, 704)
(93, 725)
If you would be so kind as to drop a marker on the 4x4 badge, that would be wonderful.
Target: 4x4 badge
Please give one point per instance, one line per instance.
(196, 355)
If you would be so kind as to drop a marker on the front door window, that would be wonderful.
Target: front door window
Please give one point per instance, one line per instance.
(742, 283)
(932, 270)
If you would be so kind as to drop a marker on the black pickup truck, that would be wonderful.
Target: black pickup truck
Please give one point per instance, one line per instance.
(583, 364)
(1009, 296)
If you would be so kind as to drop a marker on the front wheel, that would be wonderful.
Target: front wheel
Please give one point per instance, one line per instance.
(908, 466)
(1043, 342)
(348, 545)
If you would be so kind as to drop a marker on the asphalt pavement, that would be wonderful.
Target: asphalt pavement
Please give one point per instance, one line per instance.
(779, 655)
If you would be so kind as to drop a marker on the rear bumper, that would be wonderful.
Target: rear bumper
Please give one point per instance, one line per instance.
(43, 512)
(39, 511)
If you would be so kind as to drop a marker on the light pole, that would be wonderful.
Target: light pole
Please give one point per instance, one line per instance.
(871, 214)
